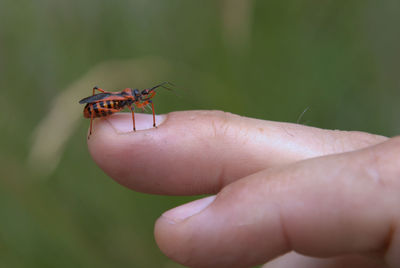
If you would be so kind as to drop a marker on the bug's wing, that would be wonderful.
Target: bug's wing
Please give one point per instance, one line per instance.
(102, 96)
(94, 98)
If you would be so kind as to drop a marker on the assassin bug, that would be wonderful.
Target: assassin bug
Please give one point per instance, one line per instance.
(108, 102)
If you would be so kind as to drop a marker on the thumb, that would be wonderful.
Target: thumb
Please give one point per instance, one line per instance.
(322, 207)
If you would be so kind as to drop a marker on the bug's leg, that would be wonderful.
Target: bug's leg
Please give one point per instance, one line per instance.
(152, 93)
(91, 121)
(154, 116)
(143, 106)
(133, 117)
(99, 89)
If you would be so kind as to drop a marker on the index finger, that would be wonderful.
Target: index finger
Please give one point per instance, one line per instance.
(198, 152)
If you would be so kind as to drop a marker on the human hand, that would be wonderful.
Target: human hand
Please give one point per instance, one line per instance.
(281, 188)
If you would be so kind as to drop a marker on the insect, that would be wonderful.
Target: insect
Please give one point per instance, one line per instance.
(106, 103)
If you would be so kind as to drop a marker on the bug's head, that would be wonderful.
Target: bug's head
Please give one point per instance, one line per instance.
(135, 93)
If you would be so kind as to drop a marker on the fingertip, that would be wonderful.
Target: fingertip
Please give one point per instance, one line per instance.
(191, 152)
(119, 151)
(168, 241)
(223, 233)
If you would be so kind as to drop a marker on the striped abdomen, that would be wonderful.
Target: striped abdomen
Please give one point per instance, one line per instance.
(103, 108)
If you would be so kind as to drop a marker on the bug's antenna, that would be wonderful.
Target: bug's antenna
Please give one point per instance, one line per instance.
(162, 85)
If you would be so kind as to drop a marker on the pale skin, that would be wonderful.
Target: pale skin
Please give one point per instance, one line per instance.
(283, 194)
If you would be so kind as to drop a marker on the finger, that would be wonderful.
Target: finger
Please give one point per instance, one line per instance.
(201, 151)
(293, 259)
(322, 207)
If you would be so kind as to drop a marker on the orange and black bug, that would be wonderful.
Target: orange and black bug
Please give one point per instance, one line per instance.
(107, 102)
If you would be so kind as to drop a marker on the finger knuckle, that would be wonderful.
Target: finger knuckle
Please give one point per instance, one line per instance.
(385, 161)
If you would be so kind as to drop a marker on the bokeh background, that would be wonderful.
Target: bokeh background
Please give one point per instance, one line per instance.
(263, 59)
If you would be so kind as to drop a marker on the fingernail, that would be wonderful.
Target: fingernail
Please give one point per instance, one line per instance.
(183, 212)
(123, 123)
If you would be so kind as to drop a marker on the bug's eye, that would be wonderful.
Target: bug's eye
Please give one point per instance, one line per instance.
(145, 91)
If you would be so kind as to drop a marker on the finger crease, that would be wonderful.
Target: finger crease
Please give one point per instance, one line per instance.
(388, 248)
(221, 178)
(285, 233)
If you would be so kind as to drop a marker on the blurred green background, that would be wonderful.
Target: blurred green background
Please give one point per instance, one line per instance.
(264, 59)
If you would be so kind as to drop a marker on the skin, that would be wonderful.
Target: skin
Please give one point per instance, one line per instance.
(283, 194)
